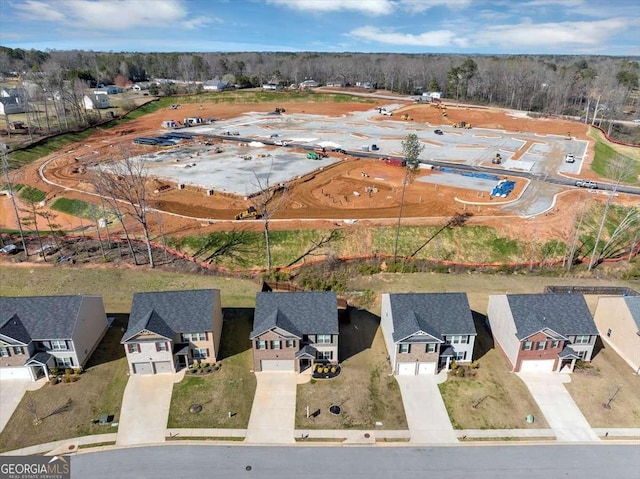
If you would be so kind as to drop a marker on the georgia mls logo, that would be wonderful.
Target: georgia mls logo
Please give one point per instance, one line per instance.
(34, 467)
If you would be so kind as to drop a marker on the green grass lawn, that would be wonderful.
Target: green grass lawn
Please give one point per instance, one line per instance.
(231, 389)
(364, 390)
(67, 409)
(490, 397)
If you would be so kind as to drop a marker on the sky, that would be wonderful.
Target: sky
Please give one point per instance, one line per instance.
(593, 27)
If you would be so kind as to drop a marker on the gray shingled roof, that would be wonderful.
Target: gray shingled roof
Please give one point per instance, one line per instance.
(14, 329)
(169, 312)
(42, 317)
(568, 352)
(298, 313)
(437, 314)
(566, 314)
(633, 303)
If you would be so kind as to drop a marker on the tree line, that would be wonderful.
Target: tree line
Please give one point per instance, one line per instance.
(591, 87)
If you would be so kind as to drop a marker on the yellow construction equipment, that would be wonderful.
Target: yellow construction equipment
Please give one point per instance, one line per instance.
(250, 212)
(406, 117)
(462, 124)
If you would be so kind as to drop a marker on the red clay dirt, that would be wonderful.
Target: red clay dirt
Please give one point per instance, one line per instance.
(314, 201)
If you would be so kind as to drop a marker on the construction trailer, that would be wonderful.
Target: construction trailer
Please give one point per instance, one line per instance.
(169, 124)
(395, 162)
(196, 120)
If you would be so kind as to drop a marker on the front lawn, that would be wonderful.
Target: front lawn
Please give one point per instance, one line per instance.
(608, 376)
(231, 389)
(494, 398)
(67, 409)
(365, 391)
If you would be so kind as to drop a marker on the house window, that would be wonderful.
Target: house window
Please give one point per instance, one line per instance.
(4, 353)
(458, 339)
(527, 345)
(555, 344)
(323, 339)
(291, 343)
(162, 346)
(541, 345)
(431, 347)
(461, 356)
(194, 337)
(583, 339)
(58, 345)
(582, 355)
(133, 347)
(404, 348)
(64, 362)
(608, 333)
(18, 350)
(200, 353)
(275, 344)
(261, 344)
(325, 355)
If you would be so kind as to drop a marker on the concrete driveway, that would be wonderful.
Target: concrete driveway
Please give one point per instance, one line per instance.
(145, 409)
(426, 414)
(273, 412)
(557, 405)
(11, 392)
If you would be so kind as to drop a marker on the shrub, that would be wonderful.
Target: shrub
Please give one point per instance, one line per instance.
(475, 365)
(53, 380)
(193, 370)
(333, 369)
(453, 366)
(67, 372)
(326, 370)
(77, 370)
(55, 371)
(460, 372)
(196, 364)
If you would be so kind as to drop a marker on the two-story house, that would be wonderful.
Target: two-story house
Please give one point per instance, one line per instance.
(38, 333)
(618, 321)
(293, 331)
(542, 332)
(426, 331)
(169, 330)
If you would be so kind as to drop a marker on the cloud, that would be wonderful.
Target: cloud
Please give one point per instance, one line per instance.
(107, 15)
(199, 22)
(435, 38)
(557, 35)
(369, 7)
(32, 9)
(419, 6)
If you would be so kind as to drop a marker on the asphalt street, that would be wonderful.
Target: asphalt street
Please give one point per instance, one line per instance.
(452, 462)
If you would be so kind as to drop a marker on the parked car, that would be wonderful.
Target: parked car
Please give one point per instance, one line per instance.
(46, 249)
(569, 158)
(9, 249)
(339, 150)
(438, 132)
(587, 184)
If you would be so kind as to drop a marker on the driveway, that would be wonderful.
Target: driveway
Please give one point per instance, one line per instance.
(11, 392)
(426, 414)
(145, 409)
(557, 405)
(273, 414)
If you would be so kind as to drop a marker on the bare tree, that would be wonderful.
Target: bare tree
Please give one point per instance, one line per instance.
(125, 181)
(267, 202)
(32, 406)
(5, 170)
(411, 149)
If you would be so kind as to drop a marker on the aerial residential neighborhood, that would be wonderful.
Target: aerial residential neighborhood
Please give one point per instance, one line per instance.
(312, 238)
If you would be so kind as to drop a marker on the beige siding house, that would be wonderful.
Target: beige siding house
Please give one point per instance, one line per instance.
(169, 330)
(618, 321)
(42, 332)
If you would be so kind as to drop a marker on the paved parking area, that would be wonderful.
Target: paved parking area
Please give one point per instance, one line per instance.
(11, 393)
(559, 408)
(145, 409)
(273, 413)
(425, 410)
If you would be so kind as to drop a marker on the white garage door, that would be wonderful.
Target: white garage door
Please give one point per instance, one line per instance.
(15, 373)
(427, 368)
(406, 369)
(142, 368)
(277, 365)
(162, 367)
(537, 366)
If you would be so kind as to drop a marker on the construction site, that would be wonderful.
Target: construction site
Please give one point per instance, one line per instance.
(335, 163)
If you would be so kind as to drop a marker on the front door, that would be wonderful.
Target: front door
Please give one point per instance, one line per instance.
(305, 364)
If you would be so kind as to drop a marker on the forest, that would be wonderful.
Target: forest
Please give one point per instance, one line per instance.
(595, 89)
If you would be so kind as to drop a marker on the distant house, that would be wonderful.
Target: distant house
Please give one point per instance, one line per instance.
(618, 321)
(293, 331)
(542, 332)
(308, 84)
(38, 333)
(215, 85)
(11, 105)
(169, 330)
(433, 94)
(335, 83)
(426, 331)
(96, 101)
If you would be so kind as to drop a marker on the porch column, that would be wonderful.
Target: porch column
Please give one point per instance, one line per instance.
(447, 364)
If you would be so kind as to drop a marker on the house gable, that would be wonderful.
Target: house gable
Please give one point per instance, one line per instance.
(420, 337)
(13, 332)
(549, 333)
(278, 332)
